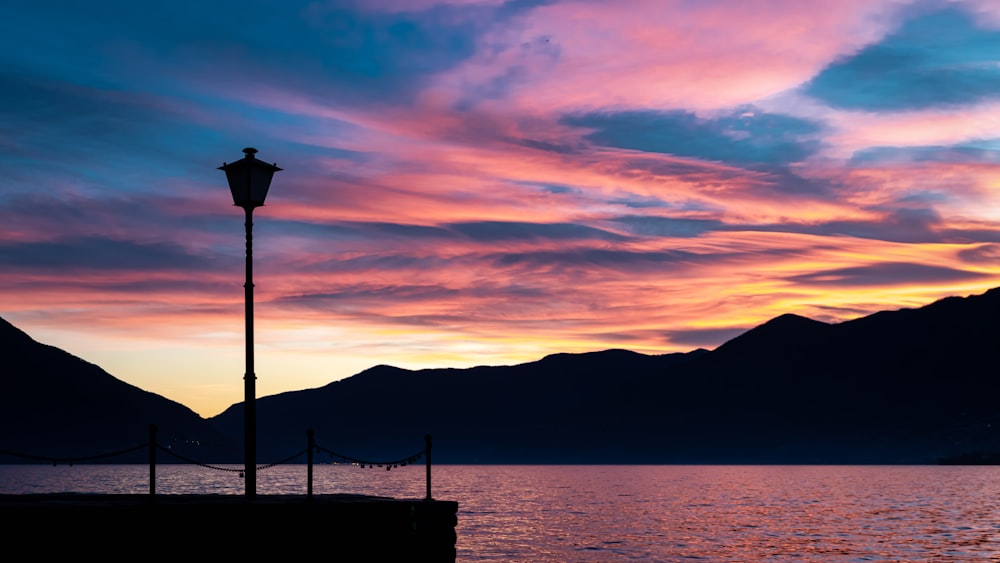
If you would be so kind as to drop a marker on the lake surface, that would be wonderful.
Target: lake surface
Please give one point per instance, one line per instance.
(641, 513)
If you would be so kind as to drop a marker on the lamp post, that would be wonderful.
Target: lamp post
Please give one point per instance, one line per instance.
(249, 180)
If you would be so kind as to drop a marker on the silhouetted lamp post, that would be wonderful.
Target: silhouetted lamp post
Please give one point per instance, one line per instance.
(249, 180)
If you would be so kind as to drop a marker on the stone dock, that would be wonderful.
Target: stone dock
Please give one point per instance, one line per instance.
(337, 527)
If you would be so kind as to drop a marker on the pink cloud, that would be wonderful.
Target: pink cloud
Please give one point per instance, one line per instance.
(855, 131)
(583, 55)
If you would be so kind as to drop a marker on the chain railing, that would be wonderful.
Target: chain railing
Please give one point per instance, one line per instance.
(72, 460)
(309, 451)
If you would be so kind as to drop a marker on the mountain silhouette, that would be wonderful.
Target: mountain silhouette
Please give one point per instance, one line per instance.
(488, 413)
(56, 405)
(905, 386)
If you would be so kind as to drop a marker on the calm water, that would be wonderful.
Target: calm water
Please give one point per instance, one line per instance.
(642, 513)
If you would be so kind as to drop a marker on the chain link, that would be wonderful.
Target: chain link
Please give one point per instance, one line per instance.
(369, 463)
(343, 458)
(284, 461)
(72, 460)
(189, 460)
(230, 469)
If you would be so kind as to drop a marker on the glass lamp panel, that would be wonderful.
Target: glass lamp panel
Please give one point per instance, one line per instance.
(260, 181)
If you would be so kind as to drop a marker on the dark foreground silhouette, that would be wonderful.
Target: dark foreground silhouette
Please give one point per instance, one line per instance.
(337, 527)
(906, 386)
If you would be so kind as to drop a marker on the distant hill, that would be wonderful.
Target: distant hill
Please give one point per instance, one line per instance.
(906, 386)
(503, 414)
(56, 405)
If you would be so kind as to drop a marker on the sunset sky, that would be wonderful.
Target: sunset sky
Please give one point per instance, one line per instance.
(483, 182)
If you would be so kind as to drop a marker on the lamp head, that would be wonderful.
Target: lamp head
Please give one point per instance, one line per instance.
(249, 179)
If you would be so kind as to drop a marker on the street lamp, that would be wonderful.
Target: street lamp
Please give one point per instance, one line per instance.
(249, 180)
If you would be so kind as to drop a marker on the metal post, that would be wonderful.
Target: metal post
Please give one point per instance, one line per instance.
(249, 378)
(311, 445)
(427, 450)
(152, 459)
(249, 180)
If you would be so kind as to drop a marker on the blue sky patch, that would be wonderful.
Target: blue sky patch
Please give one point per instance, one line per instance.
(742, 137)
(937, 59)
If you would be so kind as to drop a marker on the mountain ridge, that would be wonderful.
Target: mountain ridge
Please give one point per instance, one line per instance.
(911, 385)
(63, 406)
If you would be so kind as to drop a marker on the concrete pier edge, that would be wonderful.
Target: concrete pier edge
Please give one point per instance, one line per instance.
(340, 525)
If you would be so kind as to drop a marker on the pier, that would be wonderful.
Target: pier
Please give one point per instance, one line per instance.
(335, 527)
(342, 526)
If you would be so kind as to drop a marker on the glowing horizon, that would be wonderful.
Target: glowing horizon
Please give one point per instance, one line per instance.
(485, 182)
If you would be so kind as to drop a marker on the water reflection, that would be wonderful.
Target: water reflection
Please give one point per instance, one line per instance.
(641, 513)
(716, 513)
